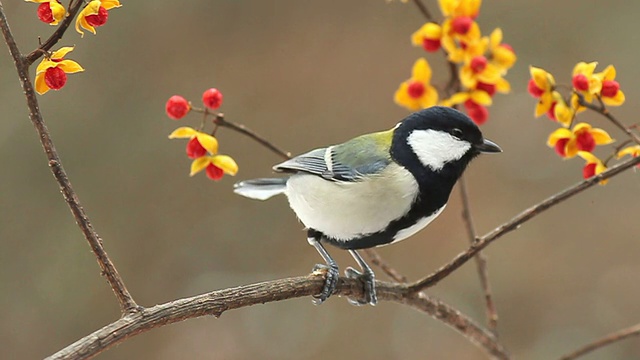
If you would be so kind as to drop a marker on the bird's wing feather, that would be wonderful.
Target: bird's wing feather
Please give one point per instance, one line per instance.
(363, 156)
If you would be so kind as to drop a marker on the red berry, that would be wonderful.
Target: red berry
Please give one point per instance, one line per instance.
(44, 13)
(560, 147)
(55, 78)
(610, 88)
(461, 24)
(478, 113)
(177, 107)
(214, 172)
(488, 88)
(589, 170)
(478, 64)
(212, 98)
(585, 141)
(431, 45)
(533, 89)
(580, 82)
(195, 149)
(416, 89)
(98, 19)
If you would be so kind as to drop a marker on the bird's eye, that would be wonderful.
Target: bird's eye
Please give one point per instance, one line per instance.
(457, 133)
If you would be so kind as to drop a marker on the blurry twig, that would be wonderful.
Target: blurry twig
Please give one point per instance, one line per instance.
(480, 258)
(378, 261)
(601, 109)
(604, 341)
(127, 304)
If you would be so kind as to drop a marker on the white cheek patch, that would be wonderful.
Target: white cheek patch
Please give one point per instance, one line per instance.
(436, 148)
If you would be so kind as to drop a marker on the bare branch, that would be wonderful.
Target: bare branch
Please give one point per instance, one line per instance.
(127, 304)
(480, 259)
(222, 122)
(518, 220)
(217, 302)
(378, 261)
(604, 341)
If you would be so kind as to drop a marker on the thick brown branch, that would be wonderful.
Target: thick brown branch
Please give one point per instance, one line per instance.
(518, 220)
(57, 35)
(108, 269)
(604, 341)
(480, 259)
(217, 302)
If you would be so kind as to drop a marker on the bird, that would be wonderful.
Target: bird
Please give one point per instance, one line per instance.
(375, 189)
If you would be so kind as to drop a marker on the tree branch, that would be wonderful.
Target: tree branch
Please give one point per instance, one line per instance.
(127, 304)
(480, 259)
(518, 220)
(604, 341)
(222, 122)
(217, 302)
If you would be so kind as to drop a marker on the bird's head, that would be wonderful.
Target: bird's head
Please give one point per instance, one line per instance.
(435, 137)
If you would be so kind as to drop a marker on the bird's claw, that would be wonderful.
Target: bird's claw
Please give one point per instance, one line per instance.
(331, 280)
(369, 280)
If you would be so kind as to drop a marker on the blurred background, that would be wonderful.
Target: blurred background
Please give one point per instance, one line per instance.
(303, 74)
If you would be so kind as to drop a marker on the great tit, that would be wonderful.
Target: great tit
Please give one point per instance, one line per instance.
(375, 189)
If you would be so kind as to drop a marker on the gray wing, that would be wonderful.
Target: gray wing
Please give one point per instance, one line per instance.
(324, 162)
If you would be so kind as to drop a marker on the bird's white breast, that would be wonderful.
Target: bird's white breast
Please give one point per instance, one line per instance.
(419, 225)
(344, 210)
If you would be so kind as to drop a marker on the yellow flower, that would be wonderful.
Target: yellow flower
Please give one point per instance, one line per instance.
(593, 166)
(610, 93)
(502, 55)
(95, 14)
(582, 138)
(207, 141)
(417, 92)
(452, 8)
(479, 97)
(479, 69)
(459, 52)
(203, 148)
(584, 81)
(52, 71)
(541, 85)
(428, 36)
(634, 151)
(50, 11)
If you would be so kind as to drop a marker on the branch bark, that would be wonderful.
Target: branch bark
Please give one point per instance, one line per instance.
(127, 304)
(217, 302)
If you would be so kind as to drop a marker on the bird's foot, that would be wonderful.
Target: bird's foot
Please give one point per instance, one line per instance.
(369, 281)
(331, 280)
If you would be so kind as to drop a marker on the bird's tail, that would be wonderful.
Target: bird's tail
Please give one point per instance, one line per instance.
(261, 189)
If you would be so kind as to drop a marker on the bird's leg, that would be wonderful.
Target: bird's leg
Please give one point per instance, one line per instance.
(367, 277)
(331, 267)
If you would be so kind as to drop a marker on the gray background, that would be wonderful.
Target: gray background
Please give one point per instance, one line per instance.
(304, 74)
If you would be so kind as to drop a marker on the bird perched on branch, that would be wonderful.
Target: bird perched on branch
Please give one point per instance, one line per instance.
(375, 189)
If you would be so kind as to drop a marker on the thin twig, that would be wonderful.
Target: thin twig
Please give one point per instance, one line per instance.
(217, 302)
(378, 261)
(127, 304)
(518, 220)
(605, 112)
(222, 122)
(57, 35)
(604, 341)
(480, 259)
(424, 10)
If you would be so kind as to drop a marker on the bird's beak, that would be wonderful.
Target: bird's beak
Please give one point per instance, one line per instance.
(488, 146)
